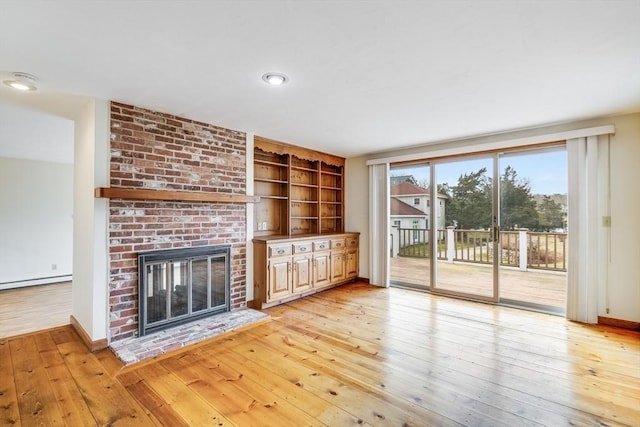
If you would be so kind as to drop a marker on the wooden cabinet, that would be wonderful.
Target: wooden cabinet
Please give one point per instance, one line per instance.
(302, 267)
(338, 267)
(287, 268)
(300, 246)
(302, 274)
(352, 261)
(301, 191)
(279, 271)
(321, 263)
(279, 278)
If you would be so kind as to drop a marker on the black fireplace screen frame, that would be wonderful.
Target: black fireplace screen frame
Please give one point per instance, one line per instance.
(189, 255)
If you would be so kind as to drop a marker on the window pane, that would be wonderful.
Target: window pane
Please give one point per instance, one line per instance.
(409, 187)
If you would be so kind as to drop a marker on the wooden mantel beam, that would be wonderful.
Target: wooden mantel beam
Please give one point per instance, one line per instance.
(176, 196)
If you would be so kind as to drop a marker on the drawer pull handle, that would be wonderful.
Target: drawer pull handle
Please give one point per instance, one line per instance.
(280, 251)
(302, 249)
(321, 247)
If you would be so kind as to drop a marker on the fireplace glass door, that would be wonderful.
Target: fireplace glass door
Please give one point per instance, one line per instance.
(185, 289)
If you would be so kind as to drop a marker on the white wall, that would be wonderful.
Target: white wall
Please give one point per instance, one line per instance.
(36, 222)
(622, 283)
(357, 206)
(90, 278)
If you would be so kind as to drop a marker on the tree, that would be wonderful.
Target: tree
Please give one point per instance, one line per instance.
(517, 206)
(470, 204)
(550, 213)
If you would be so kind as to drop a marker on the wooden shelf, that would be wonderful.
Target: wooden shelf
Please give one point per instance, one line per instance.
(274, 181)
(269, 163)
(275, 197)
(302, 168)
(176, 196)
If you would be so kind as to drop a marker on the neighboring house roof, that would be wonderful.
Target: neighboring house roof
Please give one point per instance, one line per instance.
(410, 189)
(402, 178)
(401, 208)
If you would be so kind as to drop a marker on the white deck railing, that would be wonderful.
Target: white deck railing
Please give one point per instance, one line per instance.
(520, 248)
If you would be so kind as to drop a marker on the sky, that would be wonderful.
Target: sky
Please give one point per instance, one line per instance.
(545, 170)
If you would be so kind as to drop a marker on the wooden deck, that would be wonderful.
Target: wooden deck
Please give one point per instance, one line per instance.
(354, 355)
(547, 288)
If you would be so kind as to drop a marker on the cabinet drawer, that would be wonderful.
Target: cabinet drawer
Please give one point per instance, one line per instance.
(279, 250)
(302, 248)
(337, 243)
(352, 242)
(321, 245)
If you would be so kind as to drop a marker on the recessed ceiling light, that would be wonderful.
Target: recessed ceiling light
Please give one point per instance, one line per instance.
(22, 81)
(275, 79)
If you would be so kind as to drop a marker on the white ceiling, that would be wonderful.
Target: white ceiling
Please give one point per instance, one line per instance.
(364, 76)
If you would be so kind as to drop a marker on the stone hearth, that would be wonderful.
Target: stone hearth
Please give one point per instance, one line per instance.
(133, 350)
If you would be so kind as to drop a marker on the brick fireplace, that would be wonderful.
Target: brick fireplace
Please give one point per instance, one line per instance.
(152, 150)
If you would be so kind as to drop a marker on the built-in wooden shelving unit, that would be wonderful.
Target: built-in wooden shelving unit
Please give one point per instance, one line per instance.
(300, 190)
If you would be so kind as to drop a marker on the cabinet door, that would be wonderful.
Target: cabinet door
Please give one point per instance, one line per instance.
(302, 273)
(352, 264)
(321, 270)
(337, 267)
(279, 278)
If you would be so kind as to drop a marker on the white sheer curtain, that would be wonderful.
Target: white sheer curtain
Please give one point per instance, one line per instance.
(379, 224)
(586, 260)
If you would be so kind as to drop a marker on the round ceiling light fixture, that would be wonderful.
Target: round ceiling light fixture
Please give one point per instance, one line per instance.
(22, 81)
(275, 79)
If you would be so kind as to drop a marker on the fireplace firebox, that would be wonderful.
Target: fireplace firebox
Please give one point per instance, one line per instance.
(181, 285)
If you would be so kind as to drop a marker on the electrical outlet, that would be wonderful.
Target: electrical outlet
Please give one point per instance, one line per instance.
(54, 266)
(259, 226)
(606, 221)
(264, 225)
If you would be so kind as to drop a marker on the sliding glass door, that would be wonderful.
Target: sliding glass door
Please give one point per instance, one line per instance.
(533, 228)
(490, 227)
(410, 223)
(466, 202)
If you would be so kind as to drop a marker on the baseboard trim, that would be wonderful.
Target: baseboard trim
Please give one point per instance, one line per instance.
(35, 282)
(93, 346)
(619, 323)
(363, 280)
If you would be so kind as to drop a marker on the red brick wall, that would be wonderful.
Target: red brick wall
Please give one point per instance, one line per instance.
(160, 151)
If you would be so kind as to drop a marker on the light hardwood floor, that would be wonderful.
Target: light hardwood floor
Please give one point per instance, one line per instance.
(34, 308)
(354, 355)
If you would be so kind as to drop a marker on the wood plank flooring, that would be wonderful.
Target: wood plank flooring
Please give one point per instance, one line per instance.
(34, 308)
(354, 355)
